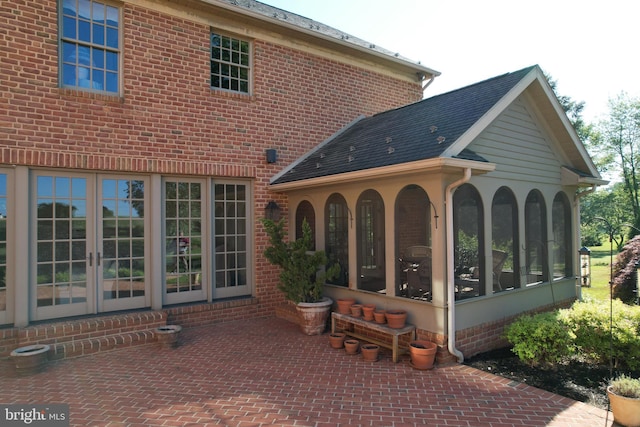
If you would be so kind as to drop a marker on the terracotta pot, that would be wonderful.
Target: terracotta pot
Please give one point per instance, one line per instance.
(167, 336)
(344, 305)
(396, 318)
(626, 411)
(356, 310)
(336, 339)
(351, 346)
(370, 352)
(367, 311)
(379, 316)
(314, 315)
(423, 354)
(30, 359)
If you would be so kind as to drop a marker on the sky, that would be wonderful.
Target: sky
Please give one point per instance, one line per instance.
(590, 48)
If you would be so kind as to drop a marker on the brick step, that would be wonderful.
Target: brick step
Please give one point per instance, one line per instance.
(86, 346)
(80, 337)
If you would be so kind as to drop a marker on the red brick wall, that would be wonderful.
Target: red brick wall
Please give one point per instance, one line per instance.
(168, 120)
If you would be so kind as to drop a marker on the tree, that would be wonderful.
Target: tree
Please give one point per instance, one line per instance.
(573, 110)
(606, 203)
(616, 146)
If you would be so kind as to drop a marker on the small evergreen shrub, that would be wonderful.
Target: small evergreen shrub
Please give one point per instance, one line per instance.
(541, 340)
(590, 323)
(626, 386)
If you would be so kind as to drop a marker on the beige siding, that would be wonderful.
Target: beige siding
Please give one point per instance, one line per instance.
(519, 146)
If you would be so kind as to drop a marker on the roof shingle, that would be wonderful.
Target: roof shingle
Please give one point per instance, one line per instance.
(419, 131)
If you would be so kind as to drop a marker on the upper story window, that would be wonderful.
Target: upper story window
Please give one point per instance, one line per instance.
(230, 68)
(90, 45)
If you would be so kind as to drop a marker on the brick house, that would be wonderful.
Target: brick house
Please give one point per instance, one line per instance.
(133, 136)
(141, 142)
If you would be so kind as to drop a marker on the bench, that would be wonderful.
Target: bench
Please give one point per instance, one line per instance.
(375, 327)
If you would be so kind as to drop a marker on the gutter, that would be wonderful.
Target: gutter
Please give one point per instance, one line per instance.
(451, 318)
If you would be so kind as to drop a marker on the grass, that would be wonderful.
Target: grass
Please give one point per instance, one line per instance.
(600, 273)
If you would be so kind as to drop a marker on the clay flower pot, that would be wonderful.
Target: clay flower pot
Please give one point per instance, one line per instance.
(336, 339)
(367, 311)
(626, 410)
(344, 305)
(396, 318)
(379, 316)
(370, 352)
(356, 310)
(351, 346)
(423, 354)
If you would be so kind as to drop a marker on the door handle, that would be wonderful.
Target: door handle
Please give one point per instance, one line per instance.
(98, 257)
(90, 259)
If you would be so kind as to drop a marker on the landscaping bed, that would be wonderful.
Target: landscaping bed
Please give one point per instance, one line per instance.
(577, 381)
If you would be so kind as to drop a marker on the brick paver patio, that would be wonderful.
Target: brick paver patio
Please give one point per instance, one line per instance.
(265, 372)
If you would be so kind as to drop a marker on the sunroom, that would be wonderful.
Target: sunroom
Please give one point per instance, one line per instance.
(462, 208)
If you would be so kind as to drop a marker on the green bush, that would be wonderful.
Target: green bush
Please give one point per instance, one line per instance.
(586, 331)
(540, 340)
(591, 322)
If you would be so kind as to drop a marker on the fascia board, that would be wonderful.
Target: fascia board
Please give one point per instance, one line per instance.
(309, 32)
(422, 166)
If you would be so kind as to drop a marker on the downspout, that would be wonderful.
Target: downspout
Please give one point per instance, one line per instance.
(450, 265)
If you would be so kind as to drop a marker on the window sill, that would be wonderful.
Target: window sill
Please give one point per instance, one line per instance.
(84, 94)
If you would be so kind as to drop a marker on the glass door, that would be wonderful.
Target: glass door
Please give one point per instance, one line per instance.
(183, 246)
(64, 258)
(121, 244)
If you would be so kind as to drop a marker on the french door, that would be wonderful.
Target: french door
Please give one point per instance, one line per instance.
(89, 244)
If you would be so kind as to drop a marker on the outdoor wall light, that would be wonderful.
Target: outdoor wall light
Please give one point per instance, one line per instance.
(272, 155)
(272, 211)
(585, 267)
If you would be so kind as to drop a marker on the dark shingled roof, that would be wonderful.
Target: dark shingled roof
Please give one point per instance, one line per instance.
(419, 131)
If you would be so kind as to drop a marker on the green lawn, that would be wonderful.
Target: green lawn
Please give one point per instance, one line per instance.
(600, 273)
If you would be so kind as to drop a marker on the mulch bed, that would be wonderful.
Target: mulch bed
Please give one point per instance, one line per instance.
(578, 381)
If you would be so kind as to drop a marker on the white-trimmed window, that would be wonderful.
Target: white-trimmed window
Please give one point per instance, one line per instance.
(3, 242)
(90, 46)
(230, 63)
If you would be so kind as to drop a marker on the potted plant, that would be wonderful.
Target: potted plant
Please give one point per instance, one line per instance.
(624, 396)
(301, 278)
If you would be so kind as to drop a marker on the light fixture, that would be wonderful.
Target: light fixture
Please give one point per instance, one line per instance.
(272, 155)
(272, 211)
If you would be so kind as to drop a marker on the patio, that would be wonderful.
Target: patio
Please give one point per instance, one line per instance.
(213, 378)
